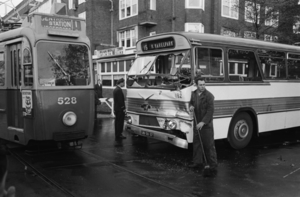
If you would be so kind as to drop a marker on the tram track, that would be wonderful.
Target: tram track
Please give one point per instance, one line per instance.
(41, 175)
(102, 160)
(137, 174)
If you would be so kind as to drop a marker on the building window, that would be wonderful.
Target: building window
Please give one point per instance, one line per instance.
(82, 15)
(71, 4)
(194, 27)
(252, 12)
(250, 34)
(152, 4)
(111, 71)
(194, 4)
(230, 9)
(128, 8)
(81, 1)
(227, 32)
(127, 38)
(272, 17)
(152, 33)
(270, 38)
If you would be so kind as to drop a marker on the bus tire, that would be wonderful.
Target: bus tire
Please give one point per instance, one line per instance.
(240, 131)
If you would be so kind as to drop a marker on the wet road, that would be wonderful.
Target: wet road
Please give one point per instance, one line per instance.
(270, 166)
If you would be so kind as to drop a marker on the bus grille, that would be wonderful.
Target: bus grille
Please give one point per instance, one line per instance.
(148, 120)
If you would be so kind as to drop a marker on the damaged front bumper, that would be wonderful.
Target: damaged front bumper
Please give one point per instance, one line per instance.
(172, 139)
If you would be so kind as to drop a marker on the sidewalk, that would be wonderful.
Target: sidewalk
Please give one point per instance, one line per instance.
(104, 115)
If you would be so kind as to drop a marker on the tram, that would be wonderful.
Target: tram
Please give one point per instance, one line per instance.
(46, 80)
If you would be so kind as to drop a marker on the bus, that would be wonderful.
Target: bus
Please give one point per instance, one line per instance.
(46, 81)
(256, 85)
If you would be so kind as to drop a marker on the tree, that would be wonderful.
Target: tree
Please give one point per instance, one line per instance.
(273, 19)
(289, 22)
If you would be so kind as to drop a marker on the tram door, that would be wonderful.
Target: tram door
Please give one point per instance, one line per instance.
(15, 118)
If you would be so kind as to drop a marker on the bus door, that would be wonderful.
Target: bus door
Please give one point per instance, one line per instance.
(14, 100)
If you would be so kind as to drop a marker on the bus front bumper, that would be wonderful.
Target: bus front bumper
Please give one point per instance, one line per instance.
(172, 139)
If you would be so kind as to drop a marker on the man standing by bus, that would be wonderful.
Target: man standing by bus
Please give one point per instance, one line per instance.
(98, 89)
(202, 104)
(119, 109)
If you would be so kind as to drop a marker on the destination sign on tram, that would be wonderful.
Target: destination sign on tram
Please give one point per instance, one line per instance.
(60, 23)
(165, 43)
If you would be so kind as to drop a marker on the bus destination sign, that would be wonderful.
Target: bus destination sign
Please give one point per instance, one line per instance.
(165, 43)
(60, 23)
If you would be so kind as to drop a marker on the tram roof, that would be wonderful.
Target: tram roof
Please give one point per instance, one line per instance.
(224, 40)
(41, 24)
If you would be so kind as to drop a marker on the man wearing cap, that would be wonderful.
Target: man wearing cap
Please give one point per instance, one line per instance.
(119, 109)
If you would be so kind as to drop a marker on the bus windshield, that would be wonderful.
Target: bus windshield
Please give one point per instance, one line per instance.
(63, 64)
(168, 70)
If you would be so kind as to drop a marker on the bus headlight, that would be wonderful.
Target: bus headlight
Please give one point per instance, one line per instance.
(69, 118)
(172, 124)
(129, 119)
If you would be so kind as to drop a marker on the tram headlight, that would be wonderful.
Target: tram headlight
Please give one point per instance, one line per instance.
(172, 124)
(69, 118)
(129, 119)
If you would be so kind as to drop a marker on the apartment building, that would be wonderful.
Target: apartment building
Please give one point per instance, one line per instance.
(114, 26)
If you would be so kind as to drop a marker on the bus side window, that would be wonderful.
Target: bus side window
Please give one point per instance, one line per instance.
(273, 64)
(2, 69)
(243, 66)
(273, 68)
(294, 67)
(209, 64)
(27, 64)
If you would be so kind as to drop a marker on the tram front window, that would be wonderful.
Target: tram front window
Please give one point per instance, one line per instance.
(61, 64)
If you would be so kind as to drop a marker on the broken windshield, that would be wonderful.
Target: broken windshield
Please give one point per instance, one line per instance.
(168, 70)
(141, 65)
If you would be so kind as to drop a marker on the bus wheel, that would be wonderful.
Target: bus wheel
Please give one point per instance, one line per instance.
(240, 131)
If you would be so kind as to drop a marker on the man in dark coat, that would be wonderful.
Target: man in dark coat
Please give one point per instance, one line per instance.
(119, 109)
(202, 103)
(98, 94)
(98, 89)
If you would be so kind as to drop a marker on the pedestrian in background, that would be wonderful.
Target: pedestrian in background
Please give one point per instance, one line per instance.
(11, 191)
(98, 95)
(119, 109)
(98, 88)
(202, 104)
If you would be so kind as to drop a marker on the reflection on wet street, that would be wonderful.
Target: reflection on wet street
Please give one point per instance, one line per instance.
(136, 166)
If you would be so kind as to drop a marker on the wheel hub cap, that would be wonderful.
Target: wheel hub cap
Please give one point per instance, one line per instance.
(241, 130)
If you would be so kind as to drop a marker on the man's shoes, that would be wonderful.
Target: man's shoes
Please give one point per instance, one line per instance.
(210, 172)
(196, 165)
(121, 137)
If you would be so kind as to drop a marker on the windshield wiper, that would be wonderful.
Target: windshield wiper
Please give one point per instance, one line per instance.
(61, 68)
(145, 66)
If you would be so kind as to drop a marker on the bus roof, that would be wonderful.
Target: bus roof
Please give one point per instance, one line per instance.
(189, 38)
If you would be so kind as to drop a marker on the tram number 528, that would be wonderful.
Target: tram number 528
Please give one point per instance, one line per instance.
(66, 100)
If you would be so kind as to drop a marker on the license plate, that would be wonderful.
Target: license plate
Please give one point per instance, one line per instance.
(147, 134)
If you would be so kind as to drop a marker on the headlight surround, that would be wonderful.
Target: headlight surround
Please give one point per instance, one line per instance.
(172, 124)
(69, 118)
(129, 119)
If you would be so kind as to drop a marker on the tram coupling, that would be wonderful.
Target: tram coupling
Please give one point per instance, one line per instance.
(69, 144)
